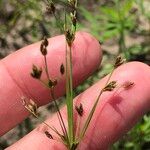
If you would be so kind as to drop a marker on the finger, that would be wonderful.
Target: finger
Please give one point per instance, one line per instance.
(115, 114)
(119, 111)
(16, 80)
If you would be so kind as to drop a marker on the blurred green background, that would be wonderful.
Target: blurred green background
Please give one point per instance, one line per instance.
(121, 26)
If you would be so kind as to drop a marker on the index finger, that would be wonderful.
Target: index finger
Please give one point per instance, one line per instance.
(16, 81)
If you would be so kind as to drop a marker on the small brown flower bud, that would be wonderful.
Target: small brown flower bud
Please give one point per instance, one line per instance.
(52, 84)
(69, 37)
(119, 61)
(73, 19)
(45, 42)
(31, 106)
(62, 69)
(43, 47)
(44, 51)
(48, 135)
(36, 73)
(79, 109)
(110, 86)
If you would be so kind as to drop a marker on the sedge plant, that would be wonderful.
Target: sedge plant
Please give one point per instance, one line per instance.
(70, 136)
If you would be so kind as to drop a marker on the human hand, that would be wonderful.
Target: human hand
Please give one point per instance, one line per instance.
(114, 115)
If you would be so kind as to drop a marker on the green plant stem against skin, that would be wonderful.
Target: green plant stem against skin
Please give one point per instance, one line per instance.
(119, 61)
(61, 121)
(53, 129)
(59, 116)
(46, 68)
(68, 136)
(69, 95)
(93, 110)
(70, 34)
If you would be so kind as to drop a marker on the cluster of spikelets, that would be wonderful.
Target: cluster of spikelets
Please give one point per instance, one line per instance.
(68, 136)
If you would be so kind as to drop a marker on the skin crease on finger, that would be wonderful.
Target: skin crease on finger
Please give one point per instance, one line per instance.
(116, 113)
(16, 81)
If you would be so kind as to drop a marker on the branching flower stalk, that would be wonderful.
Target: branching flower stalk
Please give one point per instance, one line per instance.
(70, 36)
(31, 106)
(51, 85)
(69, 31)
(36, 73)
(70, 136)
(109, 86)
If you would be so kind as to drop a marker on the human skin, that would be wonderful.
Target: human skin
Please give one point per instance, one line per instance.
(116, 112)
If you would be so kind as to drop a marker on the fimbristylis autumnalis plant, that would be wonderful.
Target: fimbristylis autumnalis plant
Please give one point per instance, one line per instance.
(71, 136)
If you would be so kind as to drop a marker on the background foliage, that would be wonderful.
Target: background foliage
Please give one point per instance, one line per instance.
(121, 26)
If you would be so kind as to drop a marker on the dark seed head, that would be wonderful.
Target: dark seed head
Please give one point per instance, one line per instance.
(52, 84)
(62, 69)
(31, 106)
(43, 50)
(48, 135)
(69, 37)
(79, 109)
(110, 86)
(36, 72)
(45, 42)
(119, 61)
(43, 47)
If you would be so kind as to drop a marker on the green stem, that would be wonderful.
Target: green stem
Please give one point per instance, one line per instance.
(93, 109)
(46, 67)
(69, 94)
(62, 124)
(61, 121)
(53, 129)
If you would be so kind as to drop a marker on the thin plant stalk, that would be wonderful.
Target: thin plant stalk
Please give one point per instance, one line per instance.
(108, 87)
(69, 34)
(69, 94)
(93, 109)
(53, 129)
(62, 124)
(46, 68)
(60, 116)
